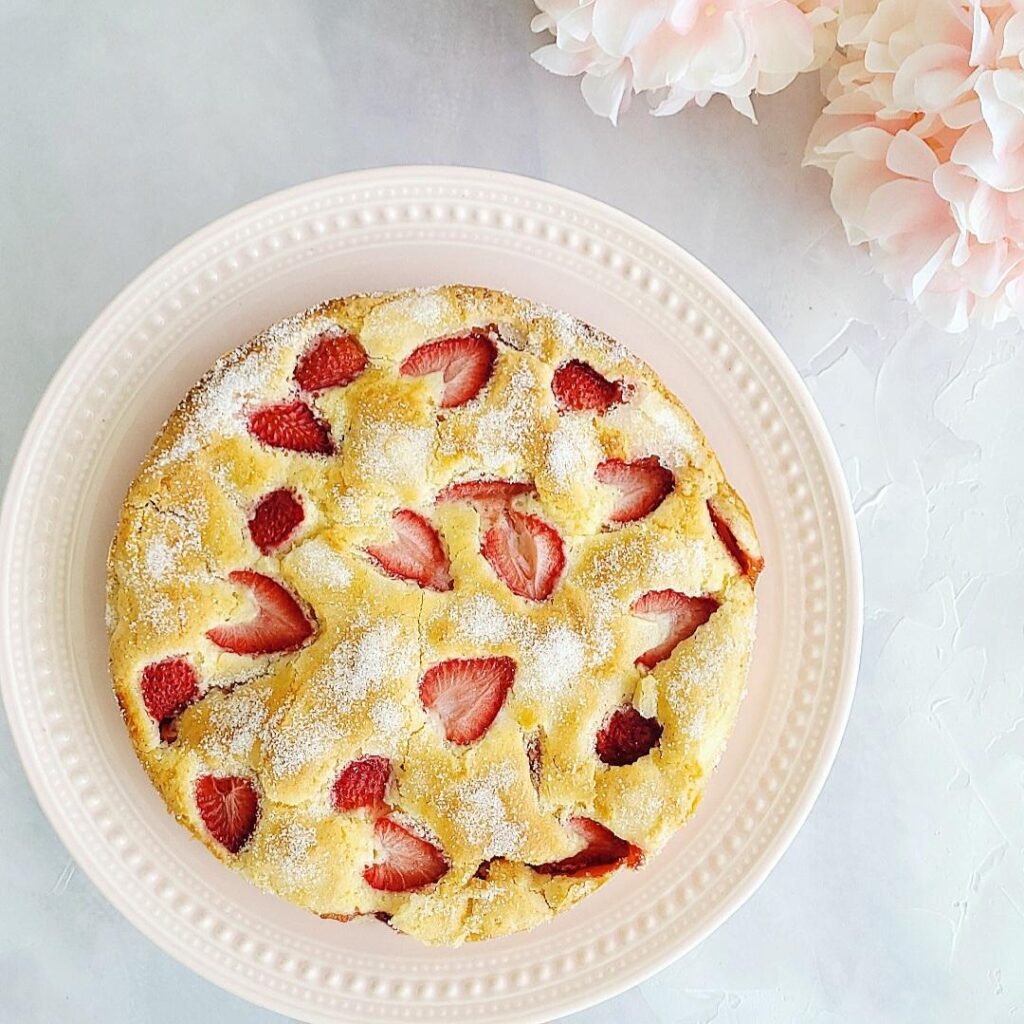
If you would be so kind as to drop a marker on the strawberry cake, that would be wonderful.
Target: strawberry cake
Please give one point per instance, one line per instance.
(433, 606)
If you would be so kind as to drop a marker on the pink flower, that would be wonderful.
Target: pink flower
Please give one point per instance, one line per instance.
(923, 135)
(679, 52)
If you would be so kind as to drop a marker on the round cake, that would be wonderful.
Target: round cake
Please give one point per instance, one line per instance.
(434, 606)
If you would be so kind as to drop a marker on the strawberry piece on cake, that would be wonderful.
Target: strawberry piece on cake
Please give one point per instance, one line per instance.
(525, 553)
(603, 851)
(407, 861)
(626, 736)
(362, 785)
(578, 387)
(292, 426)
(230, 807)
(168, 687)
(276, 517)
(416, 554)
(333, 360)
(684, 615)
(465, 362)
(280, 624)
(750, 565)
(467, 694)
(643, 485)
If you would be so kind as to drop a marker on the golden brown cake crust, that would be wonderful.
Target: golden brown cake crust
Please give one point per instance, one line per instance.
(289, 722)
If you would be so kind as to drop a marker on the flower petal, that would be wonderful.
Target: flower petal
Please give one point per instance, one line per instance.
(619, 25)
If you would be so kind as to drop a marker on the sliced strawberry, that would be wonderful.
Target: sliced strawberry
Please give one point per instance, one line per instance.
(485, 492)
(603, 851)
(275, 519)
(362, 785)
(466, 363)
(626, 736)
(408, 862)
(643, 485)
(333, 359)
(280, 623)
(750, 565)
(526, 554)
(488, 497)
(685, 616)
(416, 554)
(229, 806)
(291, 425)
(467, 694)
(578, 387)
(168, 687)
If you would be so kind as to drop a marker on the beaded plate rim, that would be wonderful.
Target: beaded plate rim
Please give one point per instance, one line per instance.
(532, 978)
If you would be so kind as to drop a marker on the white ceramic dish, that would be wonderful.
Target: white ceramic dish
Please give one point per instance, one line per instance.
(387, 229)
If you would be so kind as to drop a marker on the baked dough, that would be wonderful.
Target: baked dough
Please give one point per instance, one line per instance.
(375, 685)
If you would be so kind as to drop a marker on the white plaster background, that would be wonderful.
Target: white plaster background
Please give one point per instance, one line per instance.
(126, 125)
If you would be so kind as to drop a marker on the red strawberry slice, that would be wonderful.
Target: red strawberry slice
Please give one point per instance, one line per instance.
(685, 616)
(292, 426)
(362, 785)
(280, 623)
(578, 387)
(485, 492)
(168, 687)
(467, 694)
(603, 851)
(466, 363)
(626, 736)
(643, 485)
(229, 806)
(750, 565)
(333, 360)
(526, 554)
(408, 862)
(276, 517)
(416, 554)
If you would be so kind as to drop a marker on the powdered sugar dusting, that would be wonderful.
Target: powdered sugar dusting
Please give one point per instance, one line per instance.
(652, 426)
(288, 850)
(231, 387)
(549, 657)
(354, 669)
(236, 722)
(160, 559)
(393, 453)
(423, 306)
(552, 659)
(478, 809)
(384, 652)
(481, 620)
(389, 720)
(319, 561)
(500, 433)
(573, 451)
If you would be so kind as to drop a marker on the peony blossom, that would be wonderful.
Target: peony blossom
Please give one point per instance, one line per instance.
(923, 135)
(680, 52)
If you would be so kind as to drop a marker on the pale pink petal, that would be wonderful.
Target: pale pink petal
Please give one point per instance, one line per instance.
(932, 78)
(783, 39)
(605, 93)
(619, 25)
(560, 62)
(683, 15)
(1013, 38)
(975, 150)
(983, 47)
(910, 156)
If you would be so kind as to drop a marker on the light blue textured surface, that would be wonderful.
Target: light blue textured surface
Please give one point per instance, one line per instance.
(127, 125)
